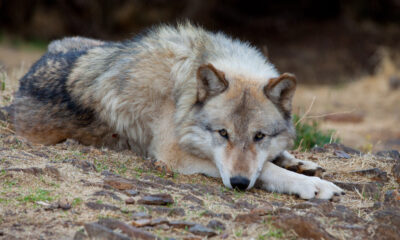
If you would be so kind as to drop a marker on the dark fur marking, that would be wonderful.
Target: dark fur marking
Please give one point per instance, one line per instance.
(55, 68)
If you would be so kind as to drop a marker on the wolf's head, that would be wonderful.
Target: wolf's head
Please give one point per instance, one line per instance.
(240, 123)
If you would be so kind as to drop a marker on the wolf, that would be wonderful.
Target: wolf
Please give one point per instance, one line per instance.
(198, 101)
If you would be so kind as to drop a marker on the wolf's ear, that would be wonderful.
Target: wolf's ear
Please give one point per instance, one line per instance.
(210, 82)
(280, 91)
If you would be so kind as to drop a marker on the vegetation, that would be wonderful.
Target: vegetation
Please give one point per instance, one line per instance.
(308, 135)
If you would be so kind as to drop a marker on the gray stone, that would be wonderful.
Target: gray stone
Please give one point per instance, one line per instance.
(99, 232)
(201, 230)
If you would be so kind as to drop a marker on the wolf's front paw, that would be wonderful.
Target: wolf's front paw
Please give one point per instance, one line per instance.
(307, 168)
(314, 187)
(301, 166)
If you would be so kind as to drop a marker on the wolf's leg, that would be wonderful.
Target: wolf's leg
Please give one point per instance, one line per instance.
(169, 153)
(277, 179)
(288, 161)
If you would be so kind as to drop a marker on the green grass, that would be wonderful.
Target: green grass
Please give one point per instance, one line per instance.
(77, 201)
(308, 135)
(38, 195)
(276, 233)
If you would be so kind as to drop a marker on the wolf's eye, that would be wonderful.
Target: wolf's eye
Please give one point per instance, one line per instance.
(259, 136)
(223, 133)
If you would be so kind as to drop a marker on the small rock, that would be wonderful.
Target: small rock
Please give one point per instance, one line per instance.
(82, 164)
(341, 154)
(48, 170)
(375, 173)
(325, 206)
(389, 216)
(191, 198)
(131, 192)
(304, 205)
(101, 206)
(139, 215)
(208, 213)
(167, 211)
(47, 206)
(392, 198)
(317, 149)
(148, 222)
(396, 171)
(305, 227)
(97, 231)
(201, 230)
(248, 218)
(64, 204)
(370, 189)
(133, 232)
(130, 201)
(107, 194)
(394, 154)
(394, 82)
(181, 224)
(244, 205)
(345, 214)
(80, 235)
(119, 183)
(216, 225)
(262, 211)
(341, 147)
(107, 173)
(387, 232)
(225, 236)
(156, 199)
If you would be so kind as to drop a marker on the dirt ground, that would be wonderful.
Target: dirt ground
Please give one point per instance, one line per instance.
(58, 192)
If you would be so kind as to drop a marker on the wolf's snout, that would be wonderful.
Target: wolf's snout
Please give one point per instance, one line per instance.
(240, 182)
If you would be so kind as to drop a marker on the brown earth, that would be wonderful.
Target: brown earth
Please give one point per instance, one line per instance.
(57, 192)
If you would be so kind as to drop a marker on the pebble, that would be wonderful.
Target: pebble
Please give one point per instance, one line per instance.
(375, 173)
(139, 215)
(131, 192)
(130, 201)
(201, 230)
(64, 204)
(248, 218)
(370, 189)
(157, 199)
(305, 227)
(389, 153)
(392, 198)
(101, 206)
(341, 154)
(99, 232)
(119, 183)
(131, 231)
(216, 225)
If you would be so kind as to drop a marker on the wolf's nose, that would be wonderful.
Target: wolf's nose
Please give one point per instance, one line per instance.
(240, 182)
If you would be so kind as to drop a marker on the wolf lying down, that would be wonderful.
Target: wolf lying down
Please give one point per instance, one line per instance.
(198, 101)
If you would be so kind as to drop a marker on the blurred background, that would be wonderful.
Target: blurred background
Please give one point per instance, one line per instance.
(346, 54)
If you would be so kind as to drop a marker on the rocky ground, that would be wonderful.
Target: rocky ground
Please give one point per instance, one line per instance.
(70, 191)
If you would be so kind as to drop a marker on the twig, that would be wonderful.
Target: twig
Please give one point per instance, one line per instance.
(307, 112)
(329, 114)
